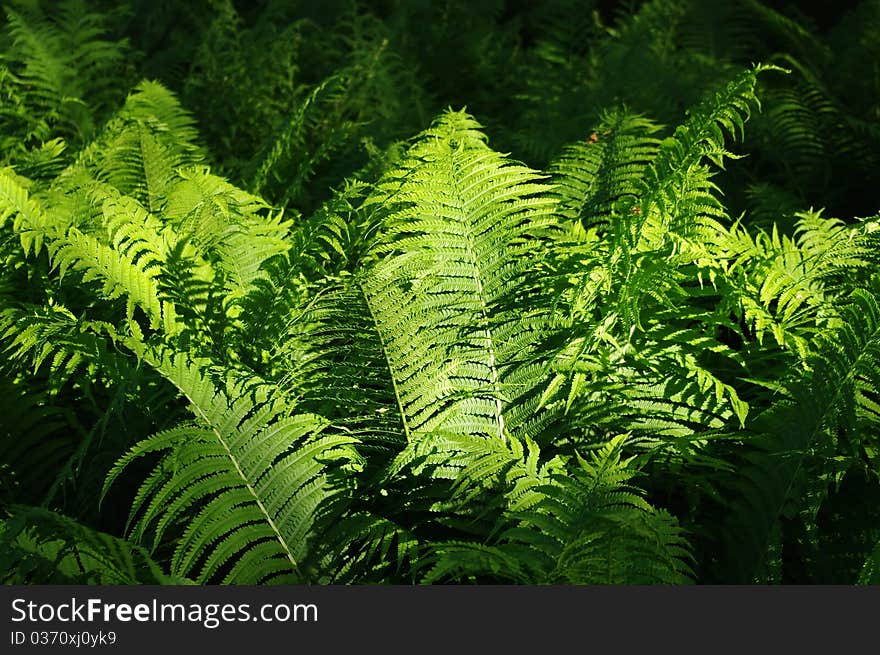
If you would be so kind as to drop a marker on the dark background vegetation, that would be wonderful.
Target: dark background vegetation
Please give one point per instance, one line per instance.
(534, 73)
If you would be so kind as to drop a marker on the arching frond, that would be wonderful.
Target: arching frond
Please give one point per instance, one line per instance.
(249, 477)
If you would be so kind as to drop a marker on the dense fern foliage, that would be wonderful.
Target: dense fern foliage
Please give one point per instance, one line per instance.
(439, 292)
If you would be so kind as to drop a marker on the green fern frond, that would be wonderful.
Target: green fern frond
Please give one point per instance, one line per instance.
(575, 523)
(225, 224)
(29, 219)
(342, 364)
(42, 547)
(365, 548)
(591, 176)
(787, 285)
(250, 477)
(293, 134)
(467, 227)
(794, 439)
(722, 113)
(51, 334)
(121, 272)
(140, 148)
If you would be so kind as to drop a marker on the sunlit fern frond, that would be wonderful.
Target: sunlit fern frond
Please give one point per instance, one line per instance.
(465, 225)
(592, 175)
(564, 522)
(248, 479)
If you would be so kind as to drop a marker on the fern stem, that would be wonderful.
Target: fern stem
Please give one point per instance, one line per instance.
(492, 367)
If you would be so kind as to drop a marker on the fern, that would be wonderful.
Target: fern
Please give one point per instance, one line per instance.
(42, 547)
(579, 524)
(593, 175)
(140, 147)
(310, 348)
(795, 438)
(439, 255)
(61, 67)
(250, 477)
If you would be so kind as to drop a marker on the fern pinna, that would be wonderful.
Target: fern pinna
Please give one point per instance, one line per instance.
(455, 366)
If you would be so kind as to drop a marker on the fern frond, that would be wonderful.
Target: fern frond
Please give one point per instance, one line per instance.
(292, 137)
(122, 272)
(225, 225)
(788, 285)
(139, 149)
(571, 523)
(250, 477)
(721, 114)
(51, 334)
(591, 176)
(42, 547)
(467, 227)
(795, 438)
(29, 218)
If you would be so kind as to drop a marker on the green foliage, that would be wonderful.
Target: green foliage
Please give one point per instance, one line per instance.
(561, 523)
(246, 478)
(58, 76)
(268, 291)
(871, 571)
(44, 547)
(822, 426)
